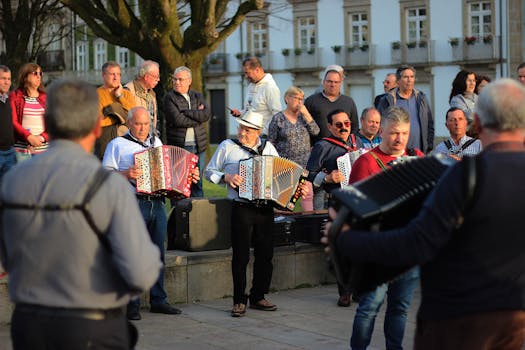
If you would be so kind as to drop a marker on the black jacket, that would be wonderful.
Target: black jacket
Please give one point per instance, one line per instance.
(179, 118)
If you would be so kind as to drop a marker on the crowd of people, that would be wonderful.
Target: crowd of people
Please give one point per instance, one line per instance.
(73, 127)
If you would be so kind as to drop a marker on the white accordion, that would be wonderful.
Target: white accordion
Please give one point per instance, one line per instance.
(269, 178)
(165, 170)
(345, 162)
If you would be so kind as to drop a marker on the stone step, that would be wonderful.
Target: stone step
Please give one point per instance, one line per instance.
(199, 276)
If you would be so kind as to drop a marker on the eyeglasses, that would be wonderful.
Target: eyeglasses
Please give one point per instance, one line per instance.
(297, 98)
(37, 73)
(339, 125)
(154, 76)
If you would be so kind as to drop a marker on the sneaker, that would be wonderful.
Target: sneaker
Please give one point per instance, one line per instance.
(344, 300)
(133, 312)
(166, 309)
(238, 310)
(264, 305)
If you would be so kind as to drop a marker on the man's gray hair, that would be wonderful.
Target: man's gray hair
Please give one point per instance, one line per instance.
(501, 105)
(5, 69)
(146, 67)
(72, 109)
(182, 69)
(134, 111)
(109, 64)
(403, 68)
(395, 114)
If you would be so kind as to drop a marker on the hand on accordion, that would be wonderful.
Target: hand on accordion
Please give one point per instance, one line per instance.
(334, 177)
(234, 180)
(132, 173)
(194, 175)
(304, 190)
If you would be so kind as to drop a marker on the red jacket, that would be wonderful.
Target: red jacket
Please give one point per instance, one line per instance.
(16, 98)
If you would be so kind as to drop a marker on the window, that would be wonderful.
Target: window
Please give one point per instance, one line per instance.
(100, 53)
(54, 37)
(258, 37)
(480, 18)
(358, 29)
(123, 57)
(306, 29)
(416, 19)
(82, 55)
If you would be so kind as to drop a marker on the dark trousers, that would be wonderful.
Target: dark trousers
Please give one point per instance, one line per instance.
(503, 330)
(52, 332)
(251, 223)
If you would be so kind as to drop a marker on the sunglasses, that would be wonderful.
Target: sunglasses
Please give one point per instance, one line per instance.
(36, 73)
(339, 125)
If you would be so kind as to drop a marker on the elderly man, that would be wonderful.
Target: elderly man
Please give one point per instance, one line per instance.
(389, 83)
(322, 103)
(113, 104)
(249, 221)
(370, 124)
(185, 113)
(91, 248)
(323, 171)
(467, 238)
(142, 89)
(458, 144)
(7, 140)
(119, 157)
(395, 134)
(416, 104)
(263, 95)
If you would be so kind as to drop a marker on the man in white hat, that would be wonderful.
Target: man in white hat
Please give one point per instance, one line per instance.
(248, 220)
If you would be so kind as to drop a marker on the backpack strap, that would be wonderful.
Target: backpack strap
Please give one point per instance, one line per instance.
(448, 144)
(93, 186)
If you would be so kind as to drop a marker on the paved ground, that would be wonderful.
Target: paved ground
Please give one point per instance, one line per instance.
(306, 319)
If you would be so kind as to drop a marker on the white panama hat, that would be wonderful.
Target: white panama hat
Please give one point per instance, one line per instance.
(251, 119)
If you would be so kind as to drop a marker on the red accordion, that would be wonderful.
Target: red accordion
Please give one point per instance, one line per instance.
(165, 170)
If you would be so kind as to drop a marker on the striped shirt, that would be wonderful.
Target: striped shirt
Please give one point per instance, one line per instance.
(33, 116)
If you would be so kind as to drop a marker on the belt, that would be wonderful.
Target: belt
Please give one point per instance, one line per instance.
(88, 314)
(150, 197)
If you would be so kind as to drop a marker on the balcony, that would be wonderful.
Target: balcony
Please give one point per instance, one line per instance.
(354, 56)
(412, 52)
(475, 49)
(216, 63)
(52, 60)
(301, 58)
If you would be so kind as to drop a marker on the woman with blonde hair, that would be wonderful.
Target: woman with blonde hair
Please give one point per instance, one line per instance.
(290, 132)
(28, 104)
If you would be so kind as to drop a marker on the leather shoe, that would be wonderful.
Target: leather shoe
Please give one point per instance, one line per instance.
(344, 300)
(166, 309)
(133, 312)
(238, 310)
(264, 305)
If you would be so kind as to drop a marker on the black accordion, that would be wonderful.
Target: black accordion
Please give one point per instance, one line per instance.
(387, 200)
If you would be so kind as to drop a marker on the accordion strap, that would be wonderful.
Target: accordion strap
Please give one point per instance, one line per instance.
(348, 148)
(463, 147)
(130, 138)
(378, 161)
(259, 151)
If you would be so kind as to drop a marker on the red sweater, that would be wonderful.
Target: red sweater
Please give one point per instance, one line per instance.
(16, 98)
(366, 165)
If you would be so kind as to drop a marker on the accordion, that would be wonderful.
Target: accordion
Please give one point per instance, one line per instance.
(384, 201)
(345, 162)
(165, 171)
(269, 178)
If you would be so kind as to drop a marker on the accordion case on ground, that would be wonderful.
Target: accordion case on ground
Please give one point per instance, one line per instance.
(269, 178)
(387, 200)
(165, 170)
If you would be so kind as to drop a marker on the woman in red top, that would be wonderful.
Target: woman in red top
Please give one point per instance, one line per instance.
(28, 103)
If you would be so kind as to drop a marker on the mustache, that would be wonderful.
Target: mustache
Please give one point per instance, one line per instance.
(344, 130)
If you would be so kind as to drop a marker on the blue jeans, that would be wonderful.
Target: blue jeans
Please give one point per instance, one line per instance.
(399, 294)
(7, 161)
(196, 188)
(154, 214)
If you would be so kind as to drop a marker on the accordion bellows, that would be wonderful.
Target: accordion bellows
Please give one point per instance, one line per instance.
(269, 178)
(165, 170)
